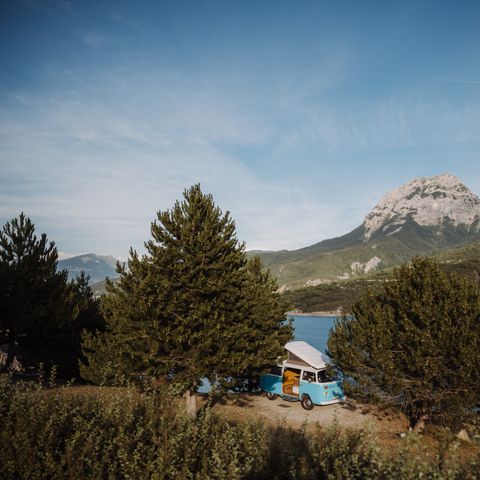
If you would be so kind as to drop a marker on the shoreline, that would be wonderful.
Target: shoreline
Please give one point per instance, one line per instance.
(328, 313)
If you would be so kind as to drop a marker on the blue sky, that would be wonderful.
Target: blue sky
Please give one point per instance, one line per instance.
(296, 116)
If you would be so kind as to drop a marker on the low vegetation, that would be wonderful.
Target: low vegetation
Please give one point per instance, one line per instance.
(463, 261)
(119, 433)
(329, 296)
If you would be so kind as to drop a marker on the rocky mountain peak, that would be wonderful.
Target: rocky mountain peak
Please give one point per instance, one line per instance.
(428, 201)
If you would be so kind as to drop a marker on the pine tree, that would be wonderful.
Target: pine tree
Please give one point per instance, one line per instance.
(191, 308)
(417, 342)
(32, 291)
(62, 345)
(42, 313)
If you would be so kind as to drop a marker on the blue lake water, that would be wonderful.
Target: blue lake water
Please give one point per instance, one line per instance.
(313, 330)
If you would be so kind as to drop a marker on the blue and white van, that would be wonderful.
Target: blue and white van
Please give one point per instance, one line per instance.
(306, 376)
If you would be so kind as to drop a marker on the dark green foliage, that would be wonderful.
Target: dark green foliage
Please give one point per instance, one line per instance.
(42, 314)
(118, 434)
(192, 307)
(62, 347)
(32, 291)
(416, 342)
(330, 296)
(464, 261)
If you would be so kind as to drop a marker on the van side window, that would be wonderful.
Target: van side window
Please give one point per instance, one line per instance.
(276, 370)
(308, 376)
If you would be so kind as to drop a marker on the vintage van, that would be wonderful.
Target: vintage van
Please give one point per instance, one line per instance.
(306, 376)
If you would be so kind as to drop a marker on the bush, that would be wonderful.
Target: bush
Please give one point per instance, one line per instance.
(122, 434)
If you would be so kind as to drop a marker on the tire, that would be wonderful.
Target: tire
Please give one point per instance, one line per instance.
(307, 403)
(271, 396)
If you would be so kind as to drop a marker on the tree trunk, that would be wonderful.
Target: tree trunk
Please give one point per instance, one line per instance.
(420, 425)
(191, 404)
(10, 351)
(10, 355)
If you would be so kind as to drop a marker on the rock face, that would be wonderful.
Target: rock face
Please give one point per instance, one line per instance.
(424, 216)
(427, 201)
(366, 267)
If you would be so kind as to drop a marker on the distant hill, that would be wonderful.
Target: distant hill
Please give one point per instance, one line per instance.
(96, 266)
(464, 261)
(423, 217)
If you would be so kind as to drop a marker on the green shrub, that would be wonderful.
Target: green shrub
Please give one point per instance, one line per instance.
(106, 433)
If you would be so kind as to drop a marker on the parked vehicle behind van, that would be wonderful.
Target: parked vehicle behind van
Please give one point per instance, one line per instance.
(306, 376)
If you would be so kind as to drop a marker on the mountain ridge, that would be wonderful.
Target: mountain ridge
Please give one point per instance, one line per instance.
(98, 267)
(422, 217)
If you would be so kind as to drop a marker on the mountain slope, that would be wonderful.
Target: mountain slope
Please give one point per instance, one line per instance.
(96, 266)
(424, 216)
(463, 261)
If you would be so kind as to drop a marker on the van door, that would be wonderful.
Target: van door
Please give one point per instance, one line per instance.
(309, 386)
(272, 382)
(291, 382)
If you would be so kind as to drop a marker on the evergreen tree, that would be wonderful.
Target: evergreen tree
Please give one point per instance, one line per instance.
(42, 313)
(191, 308)
(62, 345)
(32, 291)
(417, 341)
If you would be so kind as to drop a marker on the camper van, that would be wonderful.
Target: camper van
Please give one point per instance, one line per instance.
(306, 376)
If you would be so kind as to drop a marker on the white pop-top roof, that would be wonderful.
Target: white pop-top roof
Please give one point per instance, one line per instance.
(308, 354)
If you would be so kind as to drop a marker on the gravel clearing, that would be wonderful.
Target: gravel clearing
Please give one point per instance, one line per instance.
(348, 414)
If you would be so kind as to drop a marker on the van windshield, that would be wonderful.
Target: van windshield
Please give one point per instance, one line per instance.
(330, 374)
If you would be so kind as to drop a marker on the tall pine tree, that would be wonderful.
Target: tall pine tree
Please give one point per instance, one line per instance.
(32, 292)
(416, 341)
(42, 313)
(191, 308)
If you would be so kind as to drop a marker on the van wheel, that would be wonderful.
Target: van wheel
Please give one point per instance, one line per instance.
(271, 396)
(307, 403)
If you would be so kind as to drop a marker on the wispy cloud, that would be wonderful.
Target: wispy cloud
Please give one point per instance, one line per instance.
(389, 123)
(103, 154)
(101, 172)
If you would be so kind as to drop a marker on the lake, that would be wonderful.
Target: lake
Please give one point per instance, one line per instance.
(313, 330)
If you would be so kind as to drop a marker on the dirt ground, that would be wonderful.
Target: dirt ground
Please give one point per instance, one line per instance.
(349, 414)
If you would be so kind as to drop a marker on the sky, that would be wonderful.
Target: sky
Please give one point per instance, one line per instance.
(297, 116)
